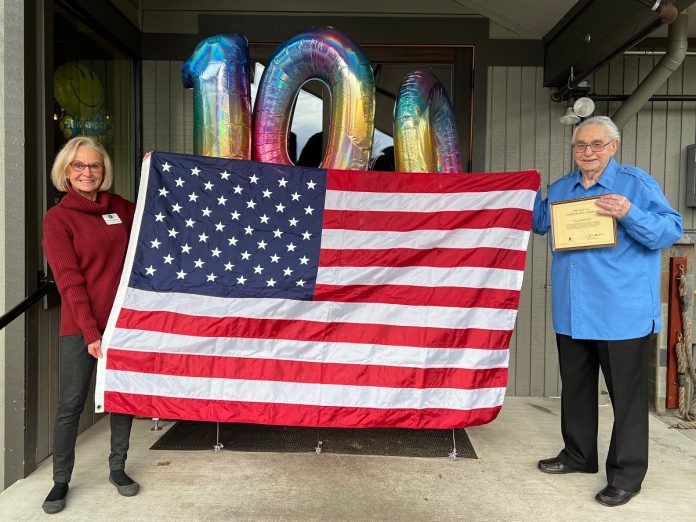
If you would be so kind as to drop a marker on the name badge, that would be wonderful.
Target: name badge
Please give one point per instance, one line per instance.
(111, 219)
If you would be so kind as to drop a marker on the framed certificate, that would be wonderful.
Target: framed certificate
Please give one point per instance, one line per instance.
(575, 224)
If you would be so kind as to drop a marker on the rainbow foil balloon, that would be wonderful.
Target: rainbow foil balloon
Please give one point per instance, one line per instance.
(218, 72)
(425, 133)
(331, 57)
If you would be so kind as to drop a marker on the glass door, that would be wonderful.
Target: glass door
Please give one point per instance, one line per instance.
(93, 94)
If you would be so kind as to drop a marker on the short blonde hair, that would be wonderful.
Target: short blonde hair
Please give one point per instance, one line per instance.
(59, 171)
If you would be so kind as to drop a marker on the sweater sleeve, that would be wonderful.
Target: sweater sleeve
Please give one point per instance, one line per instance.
(61, 256)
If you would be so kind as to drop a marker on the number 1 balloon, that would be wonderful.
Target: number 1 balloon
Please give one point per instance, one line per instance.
(218, 72)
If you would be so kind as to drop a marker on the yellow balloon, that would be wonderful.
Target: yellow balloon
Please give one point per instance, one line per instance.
(78, 90)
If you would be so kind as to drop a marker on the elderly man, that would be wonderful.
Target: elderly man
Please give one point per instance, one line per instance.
(606, 306)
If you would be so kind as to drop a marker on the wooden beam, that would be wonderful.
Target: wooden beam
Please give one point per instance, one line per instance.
(675, 329)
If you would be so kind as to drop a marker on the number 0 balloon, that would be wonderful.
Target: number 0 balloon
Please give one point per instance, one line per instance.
(331, 57)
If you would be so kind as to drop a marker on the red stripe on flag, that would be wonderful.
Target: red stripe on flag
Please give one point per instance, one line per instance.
(513, 218)
(380, 334)
(203, 366)
(364, 181)
(294, 414)
(420, 295)
(483, 257)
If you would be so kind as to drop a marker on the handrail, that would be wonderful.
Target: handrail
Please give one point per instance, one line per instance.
(45, 286)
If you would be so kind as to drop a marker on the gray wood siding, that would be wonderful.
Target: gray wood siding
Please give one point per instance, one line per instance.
(167, 108)
(48, 376)
(523, 132)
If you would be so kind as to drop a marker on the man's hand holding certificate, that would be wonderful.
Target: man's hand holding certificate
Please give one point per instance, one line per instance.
(577, 224)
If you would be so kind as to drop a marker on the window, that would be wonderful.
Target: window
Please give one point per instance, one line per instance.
(93, 93)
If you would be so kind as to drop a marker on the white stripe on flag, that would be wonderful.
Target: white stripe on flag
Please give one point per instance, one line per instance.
(428, 202)
(301, 393)
(425, 239)
(322, 311)
(422, 276)
(288, 350)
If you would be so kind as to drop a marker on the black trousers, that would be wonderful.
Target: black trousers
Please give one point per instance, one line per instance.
(625, 367)
(76, 368)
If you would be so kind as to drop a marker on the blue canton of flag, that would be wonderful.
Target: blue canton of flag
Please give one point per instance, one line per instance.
(229, 228)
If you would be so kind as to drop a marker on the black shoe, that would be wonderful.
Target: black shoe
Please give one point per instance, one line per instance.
(55, 501)
(612, 496)
(555, 466)
(126, 486)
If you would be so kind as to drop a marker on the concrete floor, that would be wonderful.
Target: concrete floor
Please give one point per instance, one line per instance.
(503, 484)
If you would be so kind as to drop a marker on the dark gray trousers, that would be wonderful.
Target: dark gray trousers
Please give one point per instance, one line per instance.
(76, 369)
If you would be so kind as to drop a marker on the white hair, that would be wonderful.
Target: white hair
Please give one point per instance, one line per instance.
(600, 121)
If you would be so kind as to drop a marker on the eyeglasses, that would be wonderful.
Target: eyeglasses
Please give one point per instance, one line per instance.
(94, 168)
(595, 146)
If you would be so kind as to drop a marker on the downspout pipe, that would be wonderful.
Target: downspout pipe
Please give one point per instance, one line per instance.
(670, 62)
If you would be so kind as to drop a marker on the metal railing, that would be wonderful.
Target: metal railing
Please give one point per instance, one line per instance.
(46, 285)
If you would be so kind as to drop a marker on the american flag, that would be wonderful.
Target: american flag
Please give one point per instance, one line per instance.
(286, 295)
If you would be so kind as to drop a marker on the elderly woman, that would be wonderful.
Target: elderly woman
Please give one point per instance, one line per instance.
(606, 308)
(85, 240)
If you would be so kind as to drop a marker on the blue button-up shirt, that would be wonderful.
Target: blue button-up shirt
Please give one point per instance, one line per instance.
(611, 293)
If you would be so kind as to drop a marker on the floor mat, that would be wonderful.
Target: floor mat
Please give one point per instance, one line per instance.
(190, 435)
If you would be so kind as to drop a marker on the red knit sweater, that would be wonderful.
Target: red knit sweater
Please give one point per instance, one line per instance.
(86, 256)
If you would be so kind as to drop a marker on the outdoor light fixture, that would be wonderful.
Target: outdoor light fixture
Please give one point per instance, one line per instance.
(579, 104)
(583, 107)
(569, 118)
